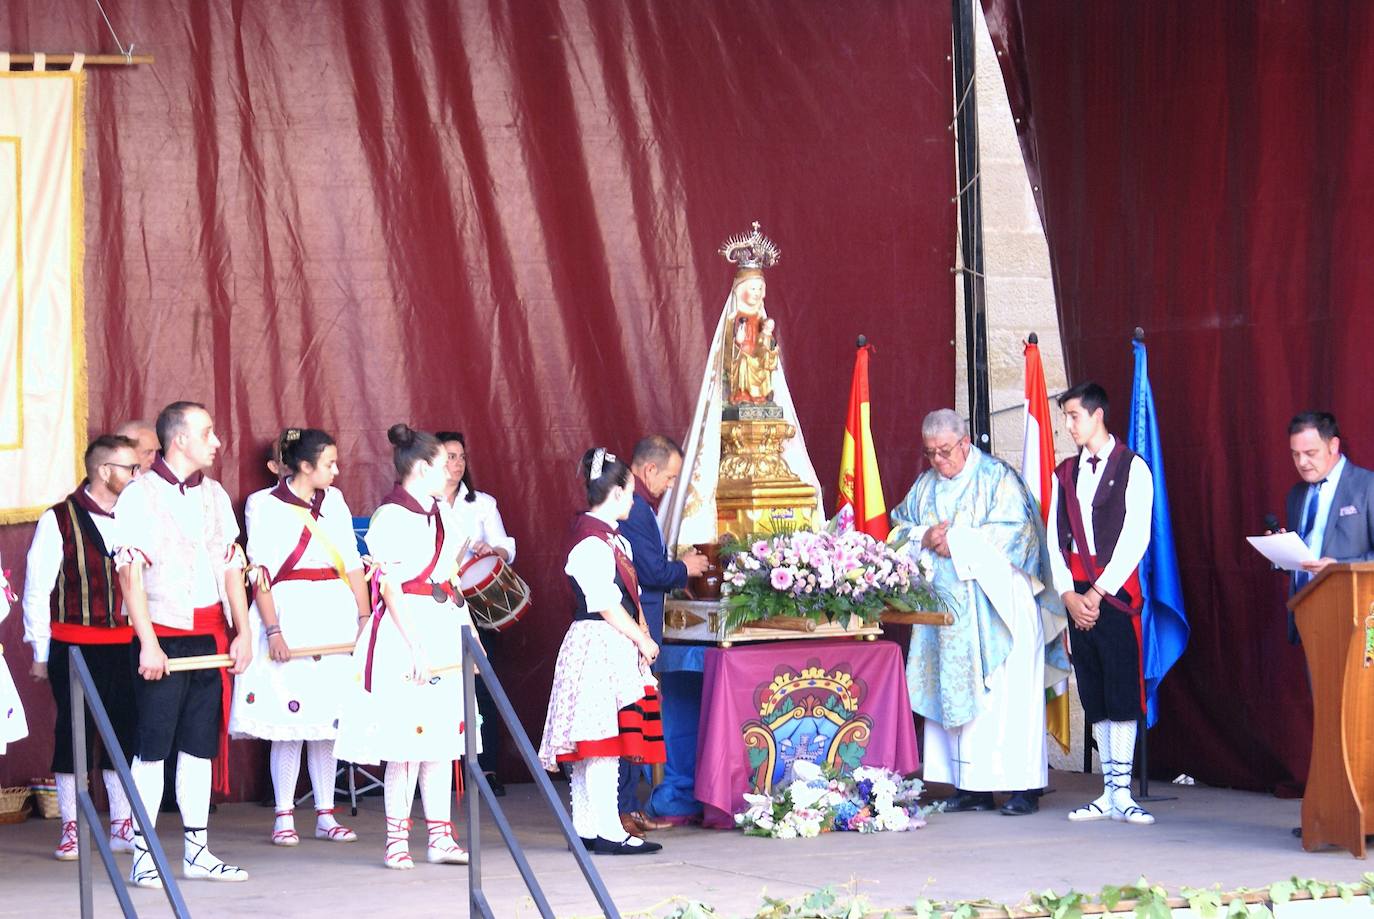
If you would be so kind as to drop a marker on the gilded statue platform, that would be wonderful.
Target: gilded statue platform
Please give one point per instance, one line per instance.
(703, 621)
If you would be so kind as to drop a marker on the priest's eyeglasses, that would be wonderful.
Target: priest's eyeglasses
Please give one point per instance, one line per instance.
(943, 452)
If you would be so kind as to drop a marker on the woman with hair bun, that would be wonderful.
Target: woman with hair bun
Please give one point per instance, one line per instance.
(604, 702)
(309, 592)
(408, 709)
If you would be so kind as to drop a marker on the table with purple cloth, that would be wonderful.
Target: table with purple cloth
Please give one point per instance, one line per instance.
(841, 703)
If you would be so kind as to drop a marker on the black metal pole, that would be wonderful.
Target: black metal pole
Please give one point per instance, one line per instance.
(83, 824)
(970, 203)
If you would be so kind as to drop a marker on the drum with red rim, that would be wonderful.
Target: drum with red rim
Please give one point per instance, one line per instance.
(497, 597)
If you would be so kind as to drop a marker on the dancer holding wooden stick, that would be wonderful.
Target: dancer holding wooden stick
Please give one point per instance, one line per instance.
(181, 573)
(309, 592)
(407, 712)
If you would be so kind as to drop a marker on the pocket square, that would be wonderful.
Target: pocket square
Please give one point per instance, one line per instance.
(1348, 510)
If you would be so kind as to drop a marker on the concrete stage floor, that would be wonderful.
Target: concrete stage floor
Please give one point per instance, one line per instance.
(1205, 837)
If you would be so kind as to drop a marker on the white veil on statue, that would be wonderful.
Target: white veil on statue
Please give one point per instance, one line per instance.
(687, 513)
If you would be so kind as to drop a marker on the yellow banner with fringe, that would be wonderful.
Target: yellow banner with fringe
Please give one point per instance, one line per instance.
(42, 334)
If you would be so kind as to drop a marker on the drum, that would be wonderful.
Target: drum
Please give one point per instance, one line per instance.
(497, 597)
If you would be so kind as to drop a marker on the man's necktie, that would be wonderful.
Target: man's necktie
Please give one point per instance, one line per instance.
(1309, 522)
(1093, 461)
(1309, 517)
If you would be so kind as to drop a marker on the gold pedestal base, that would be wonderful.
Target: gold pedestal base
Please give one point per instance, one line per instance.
(757, 491)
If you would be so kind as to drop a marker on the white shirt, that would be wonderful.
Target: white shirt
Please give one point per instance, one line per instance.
(188, 511)
(1135, 529)
(480, 521)
(591, 563)
(1326, 496)
(40, 577)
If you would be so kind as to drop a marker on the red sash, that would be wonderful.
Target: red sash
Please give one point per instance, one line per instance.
(75, 634)
(209, 620)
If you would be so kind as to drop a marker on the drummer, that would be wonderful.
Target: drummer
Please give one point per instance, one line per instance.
(481, 523)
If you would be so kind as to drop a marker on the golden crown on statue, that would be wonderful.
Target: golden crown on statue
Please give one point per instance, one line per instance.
(751, 250)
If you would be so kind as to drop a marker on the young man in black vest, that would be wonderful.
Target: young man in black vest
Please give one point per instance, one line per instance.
(72, 598)
(1100, 525)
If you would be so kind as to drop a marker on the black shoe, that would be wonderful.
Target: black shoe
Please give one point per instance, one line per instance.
(969, 801)
(1297, 832)
(497, 789)
(603, 846)
(1020, 804)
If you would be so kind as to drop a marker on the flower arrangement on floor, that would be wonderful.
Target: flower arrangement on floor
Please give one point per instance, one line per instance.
(825, 576)
(868, 800)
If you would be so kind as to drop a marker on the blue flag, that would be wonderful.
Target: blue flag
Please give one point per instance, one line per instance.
(1163, 626)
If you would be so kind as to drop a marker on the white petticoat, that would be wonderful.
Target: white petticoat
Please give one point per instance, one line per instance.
(400, 720)
(599, 672)
(300, 699)
(13, 725)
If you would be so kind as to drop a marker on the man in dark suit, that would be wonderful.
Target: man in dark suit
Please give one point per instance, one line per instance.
(1332, 508)
(656, 463)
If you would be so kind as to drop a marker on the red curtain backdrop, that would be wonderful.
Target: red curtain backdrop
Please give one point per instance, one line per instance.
(1203, 170)
(499, 217)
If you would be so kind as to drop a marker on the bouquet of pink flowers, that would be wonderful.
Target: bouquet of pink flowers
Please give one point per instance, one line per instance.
(825, 576)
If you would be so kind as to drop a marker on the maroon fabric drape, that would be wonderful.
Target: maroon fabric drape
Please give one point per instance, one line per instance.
(1204, 171)
(500, 217)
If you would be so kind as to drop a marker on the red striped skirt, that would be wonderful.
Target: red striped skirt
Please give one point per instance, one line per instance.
(640, 737)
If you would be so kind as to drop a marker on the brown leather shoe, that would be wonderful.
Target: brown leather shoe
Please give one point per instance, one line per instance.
(648, 824)
(627, 821)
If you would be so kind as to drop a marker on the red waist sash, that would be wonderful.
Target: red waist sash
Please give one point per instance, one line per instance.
(76, 634)
(307, 574)
(1080, 572)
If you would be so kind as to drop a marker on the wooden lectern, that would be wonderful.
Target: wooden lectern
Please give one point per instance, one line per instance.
(1335, 615)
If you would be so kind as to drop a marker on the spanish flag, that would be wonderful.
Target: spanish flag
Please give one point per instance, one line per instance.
(1037, 466)
(861, 488)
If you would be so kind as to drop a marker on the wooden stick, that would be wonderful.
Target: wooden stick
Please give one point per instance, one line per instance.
(919, 617)
(211, 661)
(92, 60)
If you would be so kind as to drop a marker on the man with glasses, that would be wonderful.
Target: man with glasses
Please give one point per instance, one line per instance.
(72, 598)
(980, 683)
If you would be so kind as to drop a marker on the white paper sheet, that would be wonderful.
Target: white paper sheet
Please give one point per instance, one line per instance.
(1286, 550)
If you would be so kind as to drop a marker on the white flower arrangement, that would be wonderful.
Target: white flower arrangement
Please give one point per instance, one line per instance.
(868, 800)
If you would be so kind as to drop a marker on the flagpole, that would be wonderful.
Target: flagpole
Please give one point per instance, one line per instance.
(1143, 728)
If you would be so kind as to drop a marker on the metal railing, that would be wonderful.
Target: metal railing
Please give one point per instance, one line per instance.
(84, 696)
(474, 661)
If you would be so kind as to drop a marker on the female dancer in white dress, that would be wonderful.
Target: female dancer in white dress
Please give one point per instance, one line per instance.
(13, 726)
(407, 708)
(604, 702)
(310, 594)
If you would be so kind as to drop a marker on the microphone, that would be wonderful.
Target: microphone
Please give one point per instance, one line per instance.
(1271, 523)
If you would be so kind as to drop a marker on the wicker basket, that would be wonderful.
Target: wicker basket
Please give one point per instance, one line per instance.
(45, 798)
(14, 804)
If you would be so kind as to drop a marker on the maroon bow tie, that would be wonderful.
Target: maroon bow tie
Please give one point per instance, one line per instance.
(1093, 461)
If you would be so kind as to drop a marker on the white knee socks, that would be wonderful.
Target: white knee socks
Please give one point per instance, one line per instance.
(285, 760)
(320, 758)
(595, 811)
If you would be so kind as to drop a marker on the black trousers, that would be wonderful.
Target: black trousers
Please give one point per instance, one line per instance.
(113, 676)
(181, 707)
(1106, 661)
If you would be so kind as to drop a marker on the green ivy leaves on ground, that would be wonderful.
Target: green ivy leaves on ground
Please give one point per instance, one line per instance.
(1145, 901)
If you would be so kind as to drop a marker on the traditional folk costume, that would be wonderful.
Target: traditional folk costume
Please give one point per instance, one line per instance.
(183, 535)
(604, 702)
(479, 520)
(418, 729)
(72, 598)
(1100, 526)
(980, 683)
(13, 726)
(302, 552)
